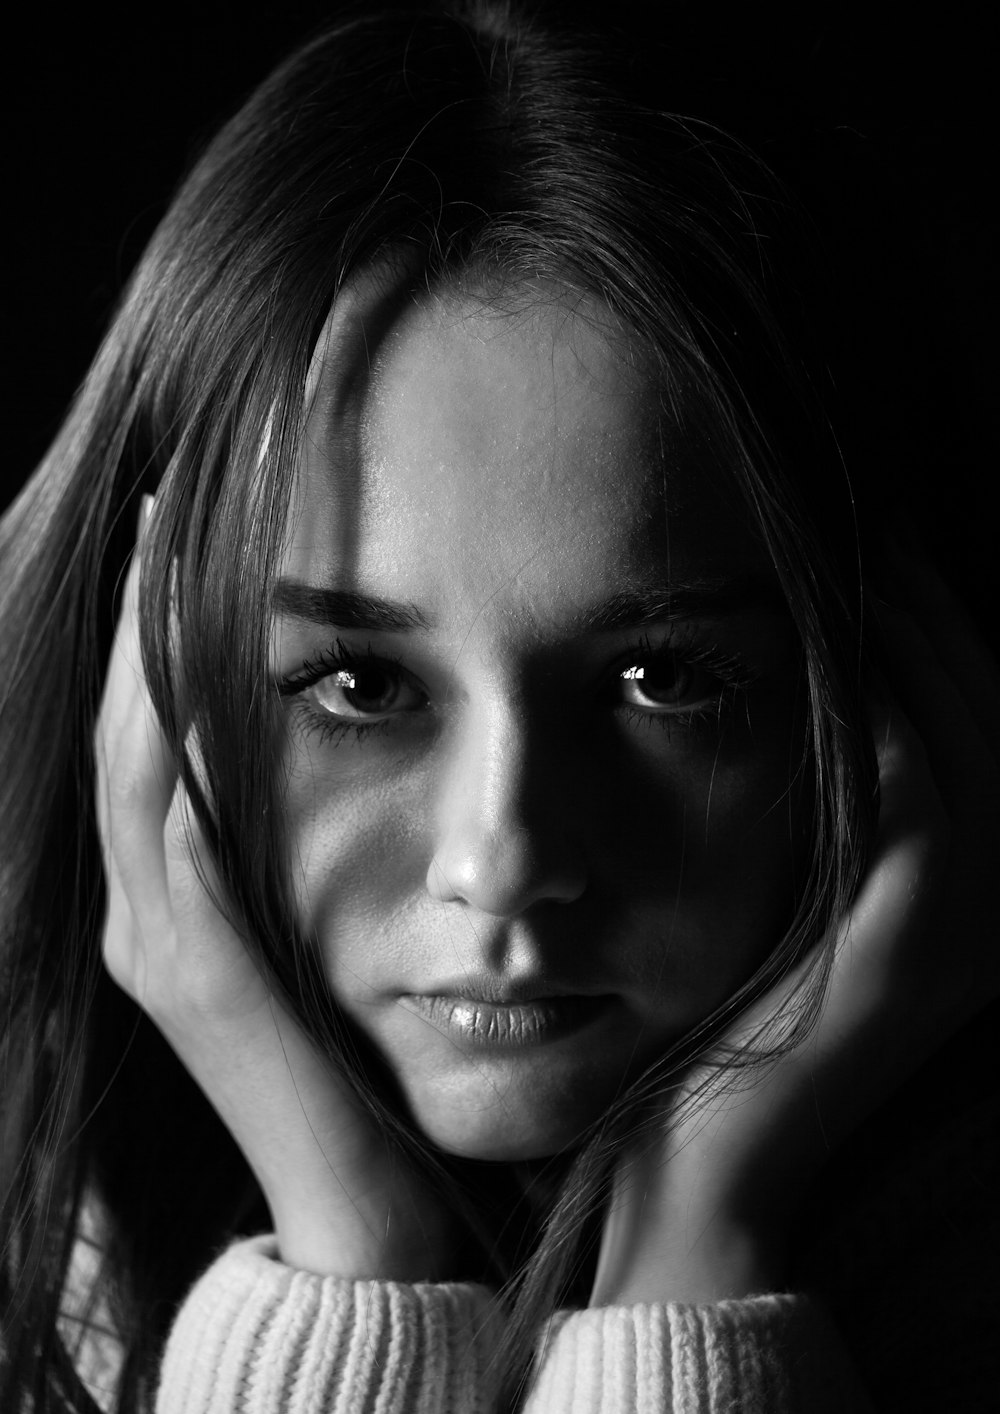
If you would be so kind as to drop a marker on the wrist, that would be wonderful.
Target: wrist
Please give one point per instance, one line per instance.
(697, 1258)
(315, 1245)
(683, 1231)
(373, 1237)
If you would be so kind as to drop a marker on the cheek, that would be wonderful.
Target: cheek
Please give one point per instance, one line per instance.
(355, 858)
(710, 852)
(726, 801)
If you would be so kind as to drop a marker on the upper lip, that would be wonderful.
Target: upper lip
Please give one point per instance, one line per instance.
(495, 991)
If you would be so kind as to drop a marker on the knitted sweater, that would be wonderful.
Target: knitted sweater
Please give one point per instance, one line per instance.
(257, 1337)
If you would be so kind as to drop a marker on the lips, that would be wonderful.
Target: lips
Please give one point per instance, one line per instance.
(510, 1022)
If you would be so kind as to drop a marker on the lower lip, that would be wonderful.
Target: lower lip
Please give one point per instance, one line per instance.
(512, 1027)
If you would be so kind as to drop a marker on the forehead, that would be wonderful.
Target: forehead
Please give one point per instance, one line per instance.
(468, 452)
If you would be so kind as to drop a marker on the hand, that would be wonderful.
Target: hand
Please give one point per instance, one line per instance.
(340, 1199)
(700, 1209)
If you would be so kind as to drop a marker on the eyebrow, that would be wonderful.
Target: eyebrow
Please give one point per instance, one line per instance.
(633, 608)
(687, 599)
(342, 608)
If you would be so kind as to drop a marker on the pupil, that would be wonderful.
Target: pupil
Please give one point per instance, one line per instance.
(659, 679)
(368, 685)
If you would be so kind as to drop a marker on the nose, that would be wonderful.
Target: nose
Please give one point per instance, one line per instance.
(504, 832)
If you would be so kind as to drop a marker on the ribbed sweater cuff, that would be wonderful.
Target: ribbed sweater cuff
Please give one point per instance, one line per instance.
(761, 1355)
(257, 1337)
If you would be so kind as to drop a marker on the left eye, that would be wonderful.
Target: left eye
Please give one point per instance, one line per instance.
(368, 691)
(664, 683)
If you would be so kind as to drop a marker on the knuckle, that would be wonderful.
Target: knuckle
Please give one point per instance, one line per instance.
(119, 957)
(126, 789)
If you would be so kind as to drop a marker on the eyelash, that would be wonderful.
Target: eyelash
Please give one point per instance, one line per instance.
(339, 658)
(734, 674)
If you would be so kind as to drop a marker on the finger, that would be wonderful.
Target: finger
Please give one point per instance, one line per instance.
(908, 790)
(960, 756)
(136, 773)
(921, 924)
(121, 948)
(120, 688)
(216, 954)
(193, 877)
(140, 786)
(125, 662)
(913, 584)
(139, 915)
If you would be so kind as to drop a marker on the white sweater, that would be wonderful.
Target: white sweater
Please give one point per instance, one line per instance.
(257, 1337)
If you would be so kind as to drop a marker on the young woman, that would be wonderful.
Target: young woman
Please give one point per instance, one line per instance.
(505, 846)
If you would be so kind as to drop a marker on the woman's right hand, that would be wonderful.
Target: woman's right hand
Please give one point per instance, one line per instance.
(340, 1198)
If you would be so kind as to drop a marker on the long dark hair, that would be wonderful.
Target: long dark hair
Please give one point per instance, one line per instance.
(456, 143)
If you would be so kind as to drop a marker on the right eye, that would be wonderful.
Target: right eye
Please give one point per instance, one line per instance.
(367, 692)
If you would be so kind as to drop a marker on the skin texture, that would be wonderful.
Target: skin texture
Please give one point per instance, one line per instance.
(520, 813)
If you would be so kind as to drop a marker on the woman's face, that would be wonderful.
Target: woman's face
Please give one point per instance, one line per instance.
(542, 731)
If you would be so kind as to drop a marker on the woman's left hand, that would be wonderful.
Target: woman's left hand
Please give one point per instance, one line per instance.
(701, 1211)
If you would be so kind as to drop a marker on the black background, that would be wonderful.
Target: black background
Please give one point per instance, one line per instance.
(880, 118)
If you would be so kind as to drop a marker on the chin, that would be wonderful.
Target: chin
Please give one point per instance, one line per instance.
(504, 1126)
(498, 1144)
